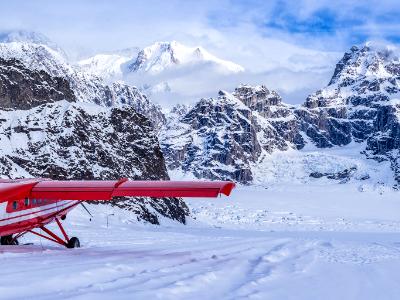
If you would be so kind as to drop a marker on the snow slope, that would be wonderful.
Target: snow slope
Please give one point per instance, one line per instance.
(333, 165)
(162, 56)
(292, 242)
(107, 66)
(168, 72)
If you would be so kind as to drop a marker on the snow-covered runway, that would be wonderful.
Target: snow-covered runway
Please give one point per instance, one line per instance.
(289, 251)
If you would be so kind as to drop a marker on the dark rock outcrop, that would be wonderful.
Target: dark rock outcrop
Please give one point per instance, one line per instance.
(364, 81)
(22, 88)
(359, 104)
(42, 136)
(343, 176)
(75, 141)
(222, 138)
(86, 87)
(268, 104)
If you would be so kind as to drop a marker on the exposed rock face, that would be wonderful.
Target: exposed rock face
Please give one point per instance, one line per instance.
(384, 142)
(86, 87)
(41, 136)
(343, 176)
(268, 104)
(221, 138)
(63, 140)
(365, 79)
(76, 141)
(22, 88)
(125, 94)
(216, 139)
(359, 104)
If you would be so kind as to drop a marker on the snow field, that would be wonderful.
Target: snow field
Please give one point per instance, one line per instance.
(297, 249)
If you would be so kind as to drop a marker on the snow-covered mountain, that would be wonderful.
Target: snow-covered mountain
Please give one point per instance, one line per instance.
(223, 137)
(235, 133)
(108, 66)
(51, 125)
(165, 71)
(163, 56)
(155, 59)
(361, 104)
(86, 86)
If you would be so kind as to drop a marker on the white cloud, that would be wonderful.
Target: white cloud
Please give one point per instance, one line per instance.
(294, 63)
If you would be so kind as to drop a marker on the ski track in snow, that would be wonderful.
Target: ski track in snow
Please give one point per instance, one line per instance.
(218, 256)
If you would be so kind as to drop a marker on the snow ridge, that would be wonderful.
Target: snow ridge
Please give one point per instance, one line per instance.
(223, 137)
(358, 106)
(87, 86)
(164, 55)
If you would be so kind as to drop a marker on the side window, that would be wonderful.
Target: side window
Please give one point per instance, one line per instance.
(26, 202)
(15, 205)
(34, 201)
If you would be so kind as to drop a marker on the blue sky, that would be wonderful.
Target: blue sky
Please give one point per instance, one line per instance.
(328, 25)
(354, 22)
(290, 38)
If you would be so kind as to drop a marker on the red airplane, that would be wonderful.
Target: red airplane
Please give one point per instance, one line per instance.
(27, 204)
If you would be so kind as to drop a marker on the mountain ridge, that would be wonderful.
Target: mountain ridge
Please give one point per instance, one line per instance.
(227, 136)
(48, 129)
(87, 87)
(359, 105)
(163, 55)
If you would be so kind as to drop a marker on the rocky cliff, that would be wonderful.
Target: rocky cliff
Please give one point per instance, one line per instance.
(22, 88)
(37, 55)
(220, 138)
(229, 136)
(46, 131)
(359, 104)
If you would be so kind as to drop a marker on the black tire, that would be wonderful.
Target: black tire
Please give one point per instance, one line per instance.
(8, 240)
(73, 243)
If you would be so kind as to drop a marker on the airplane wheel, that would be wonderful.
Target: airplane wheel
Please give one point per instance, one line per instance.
(8, 240)
(73, 243)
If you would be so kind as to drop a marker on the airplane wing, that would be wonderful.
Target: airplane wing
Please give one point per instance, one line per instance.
(106, 190)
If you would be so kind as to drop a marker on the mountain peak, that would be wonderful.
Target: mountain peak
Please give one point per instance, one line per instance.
(25, 36)
(371, 60)
(161, 56)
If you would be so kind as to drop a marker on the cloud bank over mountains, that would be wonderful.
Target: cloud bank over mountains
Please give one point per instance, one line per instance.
(289, 46)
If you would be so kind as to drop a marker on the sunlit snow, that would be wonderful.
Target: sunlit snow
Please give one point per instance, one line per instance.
(286, 242)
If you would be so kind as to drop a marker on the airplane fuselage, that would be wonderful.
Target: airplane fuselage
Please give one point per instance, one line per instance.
(25, 214)
(26, 204)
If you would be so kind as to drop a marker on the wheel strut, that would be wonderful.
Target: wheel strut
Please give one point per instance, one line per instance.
(51, 236)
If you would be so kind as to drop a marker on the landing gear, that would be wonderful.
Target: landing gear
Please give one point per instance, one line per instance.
(8, 240)
(67, 242)
(73, 243)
